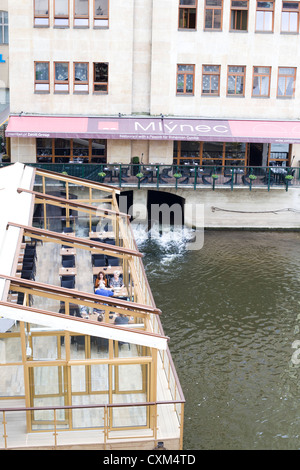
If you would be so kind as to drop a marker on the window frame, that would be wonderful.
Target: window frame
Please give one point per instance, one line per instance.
(261, 75)
(264, 10)
(185, 73)
(188, 8)
(61, 82)
(100, 21)
(241, 9)
(41, 82)
(287, 76)
(100, 92)
(83, 19)
(289, 11)
(211, 74)
(40, 21)
(61, 21)
(213, 8)
(51, 155)
(3, 25)
(85, 83)
(235, 74)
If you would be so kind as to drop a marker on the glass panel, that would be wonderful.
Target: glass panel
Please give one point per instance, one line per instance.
(235, 150)
(80, 148)
(240, 4)
(98, 147)
(62, 71)
(44, 146)
(10, 350)
(62, 147)
(214, 84)
(187, 2)
(12, 381)
(189, 83)
(189, 149)
(42, 71)
(260, 20)
(185, 68)
(44, 347)
(211, 68)
(81, 7)
(81, 72)
(41, 7)
(265, 5)
(212, 150)
(101, 7)
(268, 21)
(214, 3)
(291, 5)
(262, 70)
(100, 72)
(208, 18)
(61, 7)
(180, 83)
(217, 19)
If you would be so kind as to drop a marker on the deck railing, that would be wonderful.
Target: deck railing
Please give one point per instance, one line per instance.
(11, 440)
(179, 176)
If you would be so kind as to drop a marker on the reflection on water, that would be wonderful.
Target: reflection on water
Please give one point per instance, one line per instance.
(232, 312)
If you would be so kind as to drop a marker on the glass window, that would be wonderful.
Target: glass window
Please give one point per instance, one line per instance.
(81, 13)
(101, 77)
(286, 82)
(187, 14)
(185, 79)
(236, 80)
(100, 13)
(61, 13)
(81, 77)
(239, 15)
(290, 17)
(41, 12)
(213, 153)
(261, 81)
(211, 80)
(3, 27)
(264, 16)
(213, 14)
(42, 76)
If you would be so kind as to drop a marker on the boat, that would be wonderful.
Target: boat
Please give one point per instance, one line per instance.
(72, 376)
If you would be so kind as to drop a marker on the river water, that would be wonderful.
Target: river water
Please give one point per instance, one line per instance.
(232, 312)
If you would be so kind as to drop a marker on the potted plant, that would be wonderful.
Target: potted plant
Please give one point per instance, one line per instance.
(251, 178)
(135, 165)
(101, 175)
(288, 180)
(176, 176)
(139, 177)
(214, 177)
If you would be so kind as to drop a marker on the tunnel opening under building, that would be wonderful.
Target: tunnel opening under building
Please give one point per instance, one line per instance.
(165, 209)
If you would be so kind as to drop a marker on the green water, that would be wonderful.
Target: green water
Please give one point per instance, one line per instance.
(232, 311)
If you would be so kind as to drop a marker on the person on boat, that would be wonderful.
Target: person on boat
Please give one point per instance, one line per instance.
(121, 319)
(101, 280)
(116, 281)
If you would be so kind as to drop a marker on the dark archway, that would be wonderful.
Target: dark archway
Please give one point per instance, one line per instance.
(165, 208)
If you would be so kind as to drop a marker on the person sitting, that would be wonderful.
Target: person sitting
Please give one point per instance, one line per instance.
(121, 319)
(101, 280)
(116, 281)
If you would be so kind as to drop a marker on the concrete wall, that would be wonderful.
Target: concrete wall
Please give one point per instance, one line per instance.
(240, 208)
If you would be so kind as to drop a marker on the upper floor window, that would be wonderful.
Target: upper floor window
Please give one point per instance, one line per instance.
(81, 13)
(61, 77)
(187, 14)
(264, 16)
(3, 27)
(286, 82)
(185, 79)
(236, 80)
(213, 14)
(61, 13)
(239, 15)
(290, 17)
(41, 82)
(101, 13)
(261, 82)
(211, 80)
(41, 12)
(100, 77)
(81, 77)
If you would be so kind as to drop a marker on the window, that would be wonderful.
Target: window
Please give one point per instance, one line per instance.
(187, 14)
(100, 77)
(81, 77)
(3, 27)
(61, 77)
(290, 17)
(236, 80)
(239, 15)
(41, 12)
(261, 82)
(100, 13)
(213, 14)
(211, 80)
(81, 13)
(61, 13)
(264, 16)
(65, 150)
(286, 82)
(41, 83)
(185, 79)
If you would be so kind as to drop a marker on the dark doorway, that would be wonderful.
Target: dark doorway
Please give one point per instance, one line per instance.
(256, 155)
(165, 209)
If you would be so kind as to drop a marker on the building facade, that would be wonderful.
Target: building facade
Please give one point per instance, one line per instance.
(211, 81)
(4, 65)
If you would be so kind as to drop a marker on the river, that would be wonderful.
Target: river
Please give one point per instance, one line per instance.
(231, 310)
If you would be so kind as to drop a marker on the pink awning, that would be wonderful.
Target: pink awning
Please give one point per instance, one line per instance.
(147, 128)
